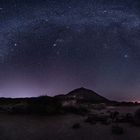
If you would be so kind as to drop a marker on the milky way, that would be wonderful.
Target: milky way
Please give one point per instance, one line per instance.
(54, 46)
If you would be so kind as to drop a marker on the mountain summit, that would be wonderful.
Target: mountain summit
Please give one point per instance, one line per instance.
(87, 95)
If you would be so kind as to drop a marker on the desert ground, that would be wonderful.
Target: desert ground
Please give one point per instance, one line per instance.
(59, 127)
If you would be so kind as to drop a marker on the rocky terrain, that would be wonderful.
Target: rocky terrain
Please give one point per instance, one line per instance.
(80, 115)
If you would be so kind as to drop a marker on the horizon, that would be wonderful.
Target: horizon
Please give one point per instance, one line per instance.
(52, 46)
(45, 94)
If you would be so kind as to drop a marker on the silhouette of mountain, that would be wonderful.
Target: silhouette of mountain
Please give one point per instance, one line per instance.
(86, 95)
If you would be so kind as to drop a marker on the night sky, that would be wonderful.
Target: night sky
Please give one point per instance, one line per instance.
(54, 46)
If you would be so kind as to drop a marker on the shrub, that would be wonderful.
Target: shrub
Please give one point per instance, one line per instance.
(107, 121)
(137, 117)
(93, 118)
(19, 108)
(129, 117)
(100, 106)
(75, 110)
(90, 120)
(114, 115)
(137, 114)
(118, 130)
(44, 105)
(76, 126)
(35, 105)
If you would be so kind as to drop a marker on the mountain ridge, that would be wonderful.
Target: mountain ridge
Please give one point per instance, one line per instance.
(86, 95)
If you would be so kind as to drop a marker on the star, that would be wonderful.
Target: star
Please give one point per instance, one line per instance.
(59, 40)
(46, 20)
(126, 56)
(54, 45)
(67, 27)
(105, 11)
(15, 44)
(57, 52)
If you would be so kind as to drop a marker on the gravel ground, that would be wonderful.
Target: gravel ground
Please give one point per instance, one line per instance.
(27, 127)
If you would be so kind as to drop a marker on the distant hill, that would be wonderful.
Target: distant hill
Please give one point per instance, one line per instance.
(84, 95)
(57, 104)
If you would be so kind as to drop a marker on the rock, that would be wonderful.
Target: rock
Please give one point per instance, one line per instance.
(117, 130)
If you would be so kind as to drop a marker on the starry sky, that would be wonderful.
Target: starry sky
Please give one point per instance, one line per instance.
(54, 46)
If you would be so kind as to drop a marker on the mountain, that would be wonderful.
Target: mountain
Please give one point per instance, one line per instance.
(86, 95)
